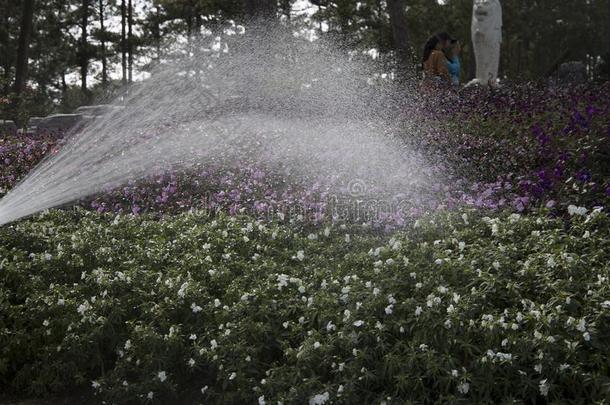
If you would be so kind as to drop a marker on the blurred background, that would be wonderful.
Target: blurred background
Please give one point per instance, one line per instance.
(56, 55)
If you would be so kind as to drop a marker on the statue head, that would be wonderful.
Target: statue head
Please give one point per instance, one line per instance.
(487, 12)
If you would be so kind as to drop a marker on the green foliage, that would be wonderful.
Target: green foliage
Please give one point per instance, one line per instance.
(457, 308)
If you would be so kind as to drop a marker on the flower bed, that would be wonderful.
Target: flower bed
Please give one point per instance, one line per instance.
(458, 307)
(525, 146)
(518, 148)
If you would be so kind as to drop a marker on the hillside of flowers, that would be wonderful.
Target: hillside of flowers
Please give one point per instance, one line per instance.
(516, 148)
(183, 288)
(454, 308)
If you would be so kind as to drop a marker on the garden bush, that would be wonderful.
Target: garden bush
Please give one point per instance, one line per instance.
(518, 148)
(458, 307)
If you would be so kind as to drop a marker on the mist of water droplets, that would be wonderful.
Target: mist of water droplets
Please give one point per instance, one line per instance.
(264, 96)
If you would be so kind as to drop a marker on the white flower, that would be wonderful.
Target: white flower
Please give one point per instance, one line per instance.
(418, 285)
(564, 366)
(300, 255)
(582, 325)
(450, 309)
(213, 344)
(162, 376)
(388, 309)
(438, 262)
(316, 345)
(544, 388)
(233, 375)
(606, 304)
(358, 323)
(204, 389)
(216, 302)
(574, 210)
(196, 308)
(418, 311)
(463, 388)
(448, 324)
(193, 336)
(302, 289)
(61, 302)
(128, 344)
(84, 307)
(191, 362)
(538, 368)
(150, 395)
(45, 323)
(496, 265)
(282, 281)
(423, 347)
(319, 399)
(461, 246)
(586, 336)
(182, 290)
(261, 400)
(454, 373)
(95, 384)
(245, 297)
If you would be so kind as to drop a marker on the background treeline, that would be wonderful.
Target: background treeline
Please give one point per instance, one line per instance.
(46, 44)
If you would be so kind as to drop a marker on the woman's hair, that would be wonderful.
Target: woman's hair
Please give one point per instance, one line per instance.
(443, 36)
(429, 47)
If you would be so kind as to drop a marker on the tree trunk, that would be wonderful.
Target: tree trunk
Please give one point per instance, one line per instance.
(158, 32)
(5, 43)
(123, 41)
(103, 41)
(607, 19)
(400, 35)
(130, 39)
(25, 35)
(255, 9)
(64, 85)
(286, 8)
(84, 57)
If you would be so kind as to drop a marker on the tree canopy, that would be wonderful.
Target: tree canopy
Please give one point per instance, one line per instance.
(58, 54)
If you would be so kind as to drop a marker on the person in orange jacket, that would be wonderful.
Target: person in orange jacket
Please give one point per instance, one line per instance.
(434, 63)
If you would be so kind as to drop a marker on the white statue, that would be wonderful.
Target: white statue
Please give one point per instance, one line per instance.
(486, 40)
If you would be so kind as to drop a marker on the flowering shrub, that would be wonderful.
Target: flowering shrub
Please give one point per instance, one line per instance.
(523, 146)
(19, 154)
(516, 149)
(458, 307)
